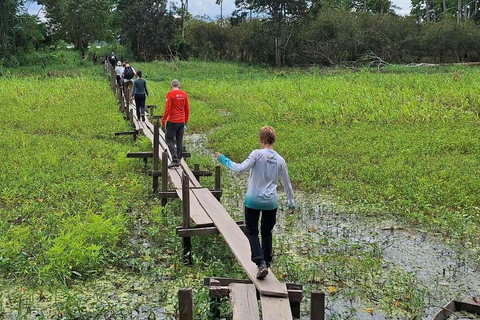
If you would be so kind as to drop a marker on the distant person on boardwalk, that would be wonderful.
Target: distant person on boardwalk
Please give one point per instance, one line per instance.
(127, 76)
(112, 59)
(140, 93)
(118, 72)
(265, 166)
(176, 115)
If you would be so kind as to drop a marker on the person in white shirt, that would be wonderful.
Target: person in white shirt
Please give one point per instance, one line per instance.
(265, 166)
(119, 71)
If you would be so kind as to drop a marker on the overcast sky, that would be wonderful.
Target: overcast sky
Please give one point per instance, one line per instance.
(209, 8)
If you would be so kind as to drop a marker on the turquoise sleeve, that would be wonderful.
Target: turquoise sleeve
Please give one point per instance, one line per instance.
(224, 160)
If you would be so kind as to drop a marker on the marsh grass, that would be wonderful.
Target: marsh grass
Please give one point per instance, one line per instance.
(75, 211)
(403, 139)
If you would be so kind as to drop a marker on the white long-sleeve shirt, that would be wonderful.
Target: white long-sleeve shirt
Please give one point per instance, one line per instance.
(265, 166)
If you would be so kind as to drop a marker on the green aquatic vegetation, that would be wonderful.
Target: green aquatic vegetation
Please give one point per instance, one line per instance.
(65, 187)
(399, 141)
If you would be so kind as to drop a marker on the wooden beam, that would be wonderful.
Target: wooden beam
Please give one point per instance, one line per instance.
(147, 154)
(202, 173)
(126, 133)
(202, 231)
(222, 291)
(171, 194)
(226, 281)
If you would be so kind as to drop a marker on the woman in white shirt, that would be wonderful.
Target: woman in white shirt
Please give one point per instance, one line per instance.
(265, 166)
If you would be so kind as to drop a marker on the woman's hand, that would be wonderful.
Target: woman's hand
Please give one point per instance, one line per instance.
(291, 211)
(217, 154)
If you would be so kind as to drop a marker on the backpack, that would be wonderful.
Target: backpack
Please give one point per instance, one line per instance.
(128, 73)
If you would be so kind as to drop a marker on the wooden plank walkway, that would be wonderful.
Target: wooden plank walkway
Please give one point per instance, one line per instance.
(243, 298)
(274, 308)
(197, 213)
(206, 209)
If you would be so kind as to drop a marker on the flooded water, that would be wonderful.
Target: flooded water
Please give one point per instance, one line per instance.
(443, 269)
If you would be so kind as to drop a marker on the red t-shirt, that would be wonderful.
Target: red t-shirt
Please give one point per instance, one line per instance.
(176, 107)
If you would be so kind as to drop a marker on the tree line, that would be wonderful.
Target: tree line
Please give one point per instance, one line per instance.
(281, 32)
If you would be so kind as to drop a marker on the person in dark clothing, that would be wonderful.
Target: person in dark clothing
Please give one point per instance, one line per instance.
(140, 93)
(94, 58)
(176, 113)
(112, 59)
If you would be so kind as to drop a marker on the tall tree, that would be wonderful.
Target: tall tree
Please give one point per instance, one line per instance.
(278, 10)
(146, 27)
(78, 21)
(20, 33)
(8, 13)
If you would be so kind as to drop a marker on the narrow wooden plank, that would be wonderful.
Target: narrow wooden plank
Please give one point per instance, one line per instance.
(243, 298)
(238, 243)
(275, 308)
(201, 231)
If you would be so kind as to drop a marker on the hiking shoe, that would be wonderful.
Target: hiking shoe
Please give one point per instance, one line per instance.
(143, 118)
(262, 270)
(174, 164)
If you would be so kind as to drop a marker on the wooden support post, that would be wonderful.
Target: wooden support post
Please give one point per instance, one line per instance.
(317, 308)
(132, 121)
(214, 301)
(150, 112)
(112, 80)
(156, 160)
(145, 164)
(122, 102)
(164, 175)
(187, 242)
(185, 304)
(217, 181)
(196, 169)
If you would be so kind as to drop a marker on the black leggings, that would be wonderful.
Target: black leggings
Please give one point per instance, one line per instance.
(269, 218)
(140, 104)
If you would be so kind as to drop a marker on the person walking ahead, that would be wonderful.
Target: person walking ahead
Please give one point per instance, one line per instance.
(265, 166)
(118, 72)
(127, 76)
(176, 115)
(139, 93)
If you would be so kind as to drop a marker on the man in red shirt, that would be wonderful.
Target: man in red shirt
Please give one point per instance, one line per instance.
(176, 115)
